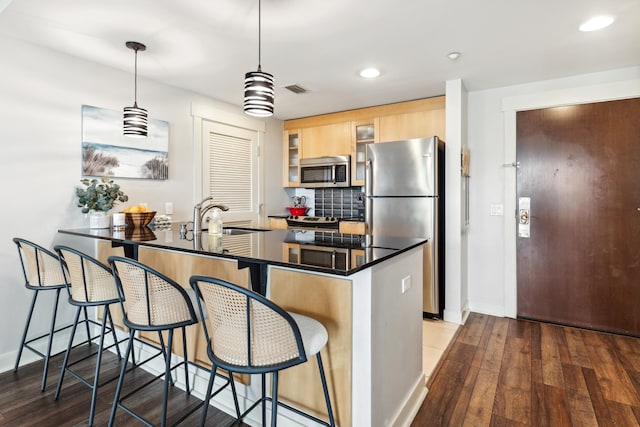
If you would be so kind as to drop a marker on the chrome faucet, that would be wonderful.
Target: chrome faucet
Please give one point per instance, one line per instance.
(200, 210)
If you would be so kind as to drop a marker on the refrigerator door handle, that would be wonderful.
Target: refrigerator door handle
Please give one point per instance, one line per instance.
(368, 211)
(368, 214)
(368, 179)
(333, 174)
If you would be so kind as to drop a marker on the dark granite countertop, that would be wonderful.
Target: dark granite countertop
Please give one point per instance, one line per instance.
(322, 251)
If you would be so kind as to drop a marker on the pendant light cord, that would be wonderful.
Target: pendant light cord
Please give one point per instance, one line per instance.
(135, 80)
(259, 35)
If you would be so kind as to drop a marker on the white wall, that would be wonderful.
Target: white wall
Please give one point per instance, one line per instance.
(455, 239)
(40, 131)
(491, 123)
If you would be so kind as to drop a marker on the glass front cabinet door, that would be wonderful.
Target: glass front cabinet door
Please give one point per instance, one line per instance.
(292, 152)
(363, 132)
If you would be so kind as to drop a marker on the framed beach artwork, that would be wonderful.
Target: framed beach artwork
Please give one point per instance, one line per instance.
(106, 151)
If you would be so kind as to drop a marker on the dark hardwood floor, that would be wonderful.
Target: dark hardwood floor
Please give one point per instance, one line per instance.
(506, 372)
(496, 372)
(23, 404)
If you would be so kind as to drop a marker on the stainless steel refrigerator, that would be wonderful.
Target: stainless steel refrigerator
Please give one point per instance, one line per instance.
(404, 197)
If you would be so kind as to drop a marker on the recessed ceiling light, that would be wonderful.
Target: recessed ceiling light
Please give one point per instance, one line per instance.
(3, 4)
(370, 73)
(597, 23)
(453, 55)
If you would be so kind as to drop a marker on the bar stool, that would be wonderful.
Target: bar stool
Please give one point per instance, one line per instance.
(251, 334)
(42, 272)
(153, 302)
(91, 285)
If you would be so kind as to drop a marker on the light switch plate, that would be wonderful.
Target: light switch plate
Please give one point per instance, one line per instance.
(497, 210)
(406, 284)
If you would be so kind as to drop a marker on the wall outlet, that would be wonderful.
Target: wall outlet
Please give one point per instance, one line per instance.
(406, 284)
(497, 210)
(168, 208)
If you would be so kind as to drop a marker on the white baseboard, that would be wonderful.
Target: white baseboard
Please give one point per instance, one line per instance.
(490, 309)
(412, 405)
(59, 345)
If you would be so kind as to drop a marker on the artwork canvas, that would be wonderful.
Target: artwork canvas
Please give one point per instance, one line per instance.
(106, 151)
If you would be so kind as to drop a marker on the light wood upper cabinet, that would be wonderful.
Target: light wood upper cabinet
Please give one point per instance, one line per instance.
(347, 133)
(327, 140)
(291, 155)
(419, 124)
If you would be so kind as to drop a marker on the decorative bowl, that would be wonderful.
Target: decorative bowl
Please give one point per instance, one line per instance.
(298, 210)
(140, 234)
(138, 219)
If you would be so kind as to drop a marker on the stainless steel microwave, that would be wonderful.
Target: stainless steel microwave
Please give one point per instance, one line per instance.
(325, 172)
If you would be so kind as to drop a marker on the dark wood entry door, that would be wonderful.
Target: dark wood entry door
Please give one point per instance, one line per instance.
(580, 167)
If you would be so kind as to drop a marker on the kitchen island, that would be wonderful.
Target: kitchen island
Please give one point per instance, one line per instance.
(358, 286)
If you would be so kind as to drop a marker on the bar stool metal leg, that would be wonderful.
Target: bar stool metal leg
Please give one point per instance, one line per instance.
(186, 365)
(50, 343)
(274, 398)
(167, 373)
(116, 398)
(332, 422)
(96, 378)
(26, 330)
(65, 362)
(113, 330)
(264, 402)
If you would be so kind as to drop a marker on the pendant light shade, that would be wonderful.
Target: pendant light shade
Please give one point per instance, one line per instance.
(259, 93)
(135, 118)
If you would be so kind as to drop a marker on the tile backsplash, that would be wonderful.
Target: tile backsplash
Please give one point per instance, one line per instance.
(339, 202)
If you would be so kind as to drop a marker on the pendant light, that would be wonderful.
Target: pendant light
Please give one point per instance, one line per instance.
(135, 118)
(258, 85)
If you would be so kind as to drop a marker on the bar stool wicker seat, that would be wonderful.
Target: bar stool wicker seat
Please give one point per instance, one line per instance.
(153, 302)
(91, 284)
(42, 272)
(247, 333)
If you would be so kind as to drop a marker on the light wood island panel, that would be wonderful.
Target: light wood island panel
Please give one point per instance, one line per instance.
(328, 300)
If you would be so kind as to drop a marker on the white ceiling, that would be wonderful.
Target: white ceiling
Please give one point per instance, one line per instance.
(207, 45)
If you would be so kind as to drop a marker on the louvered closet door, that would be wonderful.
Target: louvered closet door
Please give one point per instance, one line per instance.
(231, 170)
